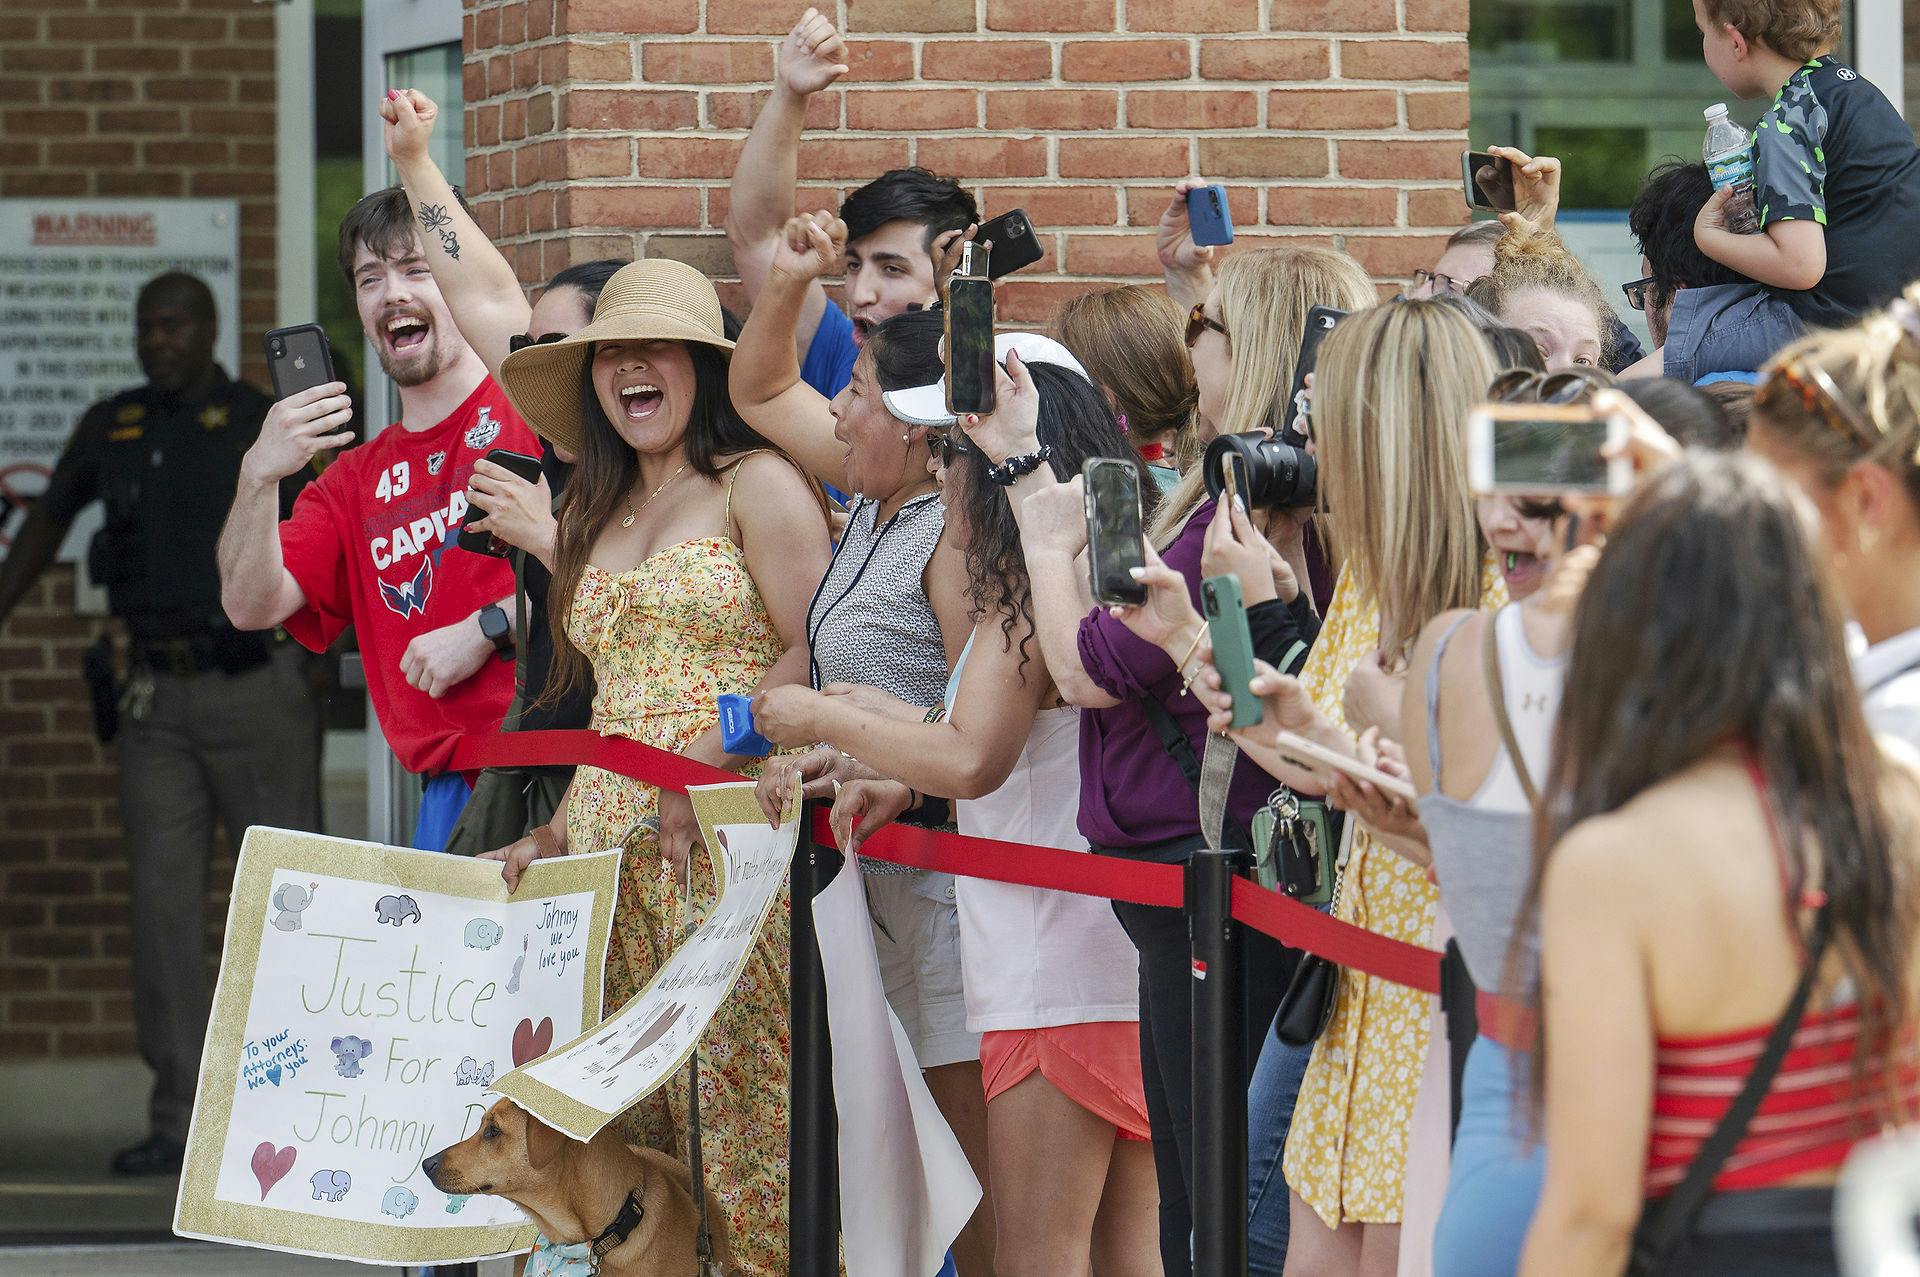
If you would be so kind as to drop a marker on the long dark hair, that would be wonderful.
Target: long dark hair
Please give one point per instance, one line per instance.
(605, 473)
(1707, 621)
(1077, 423)
(905, 350)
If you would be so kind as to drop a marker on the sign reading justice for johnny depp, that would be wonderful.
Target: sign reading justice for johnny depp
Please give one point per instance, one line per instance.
(369, 997)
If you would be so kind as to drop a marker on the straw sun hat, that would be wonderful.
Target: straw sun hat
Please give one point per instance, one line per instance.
(652, 300)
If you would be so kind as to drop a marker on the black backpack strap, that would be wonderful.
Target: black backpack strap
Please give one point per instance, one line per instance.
(1661, 1235)
(1180, 749)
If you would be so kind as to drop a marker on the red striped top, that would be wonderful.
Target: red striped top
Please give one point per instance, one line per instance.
(1811, 1118)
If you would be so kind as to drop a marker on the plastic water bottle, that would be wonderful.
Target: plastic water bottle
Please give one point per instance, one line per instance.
(1728, 152)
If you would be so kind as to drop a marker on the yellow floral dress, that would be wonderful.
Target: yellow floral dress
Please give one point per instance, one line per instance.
(665, 638)
(1347, 1148)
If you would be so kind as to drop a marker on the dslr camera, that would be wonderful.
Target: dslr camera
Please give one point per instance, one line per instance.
(1271, 473)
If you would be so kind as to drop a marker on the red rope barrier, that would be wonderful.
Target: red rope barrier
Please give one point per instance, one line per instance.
(1110, 877)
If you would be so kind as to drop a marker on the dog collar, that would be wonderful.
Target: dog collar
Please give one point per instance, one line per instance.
(631, 1213)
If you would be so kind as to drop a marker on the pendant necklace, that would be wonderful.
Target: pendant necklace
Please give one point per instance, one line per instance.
(627, 500)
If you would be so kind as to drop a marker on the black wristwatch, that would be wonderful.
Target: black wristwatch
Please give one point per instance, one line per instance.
(498, 629)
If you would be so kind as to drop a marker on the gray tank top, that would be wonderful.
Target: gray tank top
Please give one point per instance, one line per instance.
(1483, 856)
(870, 621)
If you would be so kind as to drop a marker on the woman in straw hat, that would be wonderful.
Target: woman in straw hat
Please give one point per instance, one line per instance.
(686, 553)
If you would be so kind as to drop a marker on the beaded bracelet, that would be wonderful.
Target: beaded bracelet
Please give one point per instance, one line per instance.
(1014, 468)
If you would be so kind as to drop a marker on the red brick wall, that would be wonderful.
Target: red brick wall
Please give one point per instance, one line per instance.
(605, 128)
(106, 98)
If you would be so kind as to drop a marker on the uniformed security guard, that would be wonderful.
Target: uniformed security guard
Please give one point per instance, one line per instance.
(210, 719)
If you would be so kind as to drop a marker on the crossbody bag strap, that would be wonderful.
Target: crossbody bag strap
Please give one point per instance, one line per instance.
(1497, 691)
(1180, 749)
(519, 641)
(1657, 1244)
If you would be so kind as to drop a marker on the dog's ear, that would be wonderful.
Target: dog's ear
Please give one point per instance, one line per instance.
(543, 1143)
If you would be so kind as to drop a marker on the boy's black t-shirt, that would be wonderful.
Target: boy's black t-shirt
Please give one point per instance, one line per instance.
(1832, 148)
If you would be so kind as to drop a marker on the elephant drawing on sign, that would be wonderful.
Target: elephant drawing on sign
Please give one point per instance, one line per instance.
(330, 1185)
(483, 933)
(350, 1050)
(399, 1202)
(396, 909)
(291, 900)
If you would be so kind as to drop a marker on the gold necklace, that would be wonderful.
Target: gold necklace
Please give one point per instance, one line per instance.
(627, 500)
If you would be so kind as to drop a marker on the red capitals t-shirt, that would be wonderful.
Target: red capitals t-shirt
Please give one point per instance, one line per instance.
(371, 543)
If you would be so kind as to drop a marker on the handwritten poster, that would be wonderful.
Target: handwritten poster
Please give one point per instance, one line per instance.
(369, 998)
(595, 1077)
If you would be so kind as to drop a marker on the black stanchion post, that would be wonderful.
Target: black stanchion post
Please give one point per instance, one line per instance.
(1219, 1068)
(813, 1136)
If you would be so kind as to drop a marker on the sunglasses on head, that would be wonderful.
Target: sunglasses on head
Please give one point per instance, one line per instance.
(1819, 396)
(1522, 385)
(1197, 323)
(520, 341)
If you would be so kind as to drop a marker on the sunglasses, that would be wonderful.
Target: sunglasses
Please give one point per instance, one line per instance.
(1441, 283)
(520, 341)
(1637, 292)
(1522, 385)
(1197, 323)
(951, 443)
(1819, 396)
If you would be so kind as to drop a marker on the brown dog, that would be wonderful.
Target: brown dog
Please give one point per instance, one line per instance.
(573, 1191)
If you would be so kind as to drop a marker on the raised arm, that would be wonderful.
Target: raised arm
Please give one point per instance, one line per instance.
(1788, 254)
(1187, 267)
(74, 482)
(480, 288)
(764, 376)
(813, 56)
(256, 590)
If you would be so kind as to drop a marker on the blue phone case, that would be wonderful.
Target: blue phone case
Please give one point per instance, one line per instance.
(737, 736)
(1209, 217)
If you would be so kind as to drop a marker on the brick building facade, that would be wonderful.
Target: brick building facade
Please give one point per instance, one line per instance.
(1331, 121)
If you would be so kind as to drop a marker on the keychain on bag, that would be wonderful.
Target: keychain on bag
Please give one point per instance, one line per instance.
(1293, 848)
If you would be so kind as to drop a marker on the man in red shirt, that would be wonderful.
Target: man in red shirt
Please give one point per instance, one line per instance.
(371, 542)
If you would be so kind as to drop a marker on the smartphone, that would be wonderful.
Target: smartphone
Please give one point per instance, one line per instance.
(1487, 180)
(1014, 246)
(1114, 545)
(1546, 450)
(1208, 217)
(527, 468)
(1226, 613)
(969, 344)
(1320, 321)
(1311, 757)
(299, 358)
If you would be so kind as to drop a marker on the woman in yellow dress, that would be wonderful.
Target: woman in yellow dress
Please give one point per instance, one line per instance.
(686, 554)
(1390, 400)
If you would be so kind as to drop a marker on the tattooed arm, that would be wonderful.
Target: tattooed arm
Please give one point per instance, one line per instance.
(480, 287)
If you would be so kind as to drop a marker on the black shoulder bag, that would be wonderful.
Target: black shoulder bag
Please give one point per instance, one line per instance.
(1664, 1229)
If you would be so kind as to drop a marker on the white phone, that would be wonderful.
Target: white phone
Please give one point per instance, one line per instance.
(1546, 450)
(1298, 751)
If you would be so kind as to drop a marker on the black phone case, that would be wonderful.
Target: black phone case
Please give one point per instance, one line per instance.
(1321, 320)
(299, 358)
(527, 468)
(1015, 246)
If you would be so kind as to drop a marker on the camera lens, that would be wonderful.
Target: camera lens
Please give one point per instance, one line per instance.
(1279, 476)
(1016, 227)
(279, 348)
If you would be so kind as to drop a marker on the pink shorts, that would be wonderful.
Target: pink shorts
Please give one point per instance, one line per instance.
(1097, 1066)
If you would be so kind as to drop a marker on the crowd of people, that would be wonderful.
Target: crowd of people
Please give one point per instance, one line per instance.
(1666, 825)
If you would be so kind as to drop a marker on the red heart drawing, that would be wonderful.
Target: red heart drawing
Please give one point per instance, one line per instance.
(530, 1043)
(270, 1165)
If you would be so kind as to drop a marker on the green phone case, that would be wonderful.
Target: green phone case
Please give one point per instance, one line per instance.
(1232, 641)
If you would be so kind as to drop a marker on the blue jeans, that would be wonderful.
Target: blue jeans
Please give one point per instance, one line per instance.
(1495, 1179)
(1270, 1097)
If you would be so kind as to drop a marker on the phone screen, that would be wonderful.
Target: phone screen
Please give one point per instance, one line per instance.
(1114, 546)
(1550, 456)
(970, 368)
(1488, 180)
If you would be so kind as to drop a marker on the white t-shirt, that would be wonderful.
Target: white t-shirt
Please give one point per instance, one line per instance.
(1888, 675)
(1032, 958)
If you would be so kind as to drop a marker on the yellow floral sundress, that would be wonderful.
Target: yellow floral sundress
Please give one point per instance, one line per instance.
(665, 638)
(1347, 1148)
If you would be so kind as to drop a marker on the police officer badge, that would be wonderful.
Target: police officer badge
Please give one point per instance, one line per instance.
(482, 432)
(435, 460)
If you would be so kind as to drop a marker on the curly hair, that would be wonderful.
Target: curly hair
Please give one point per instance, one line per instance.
(1797, 29)
(1529, 257)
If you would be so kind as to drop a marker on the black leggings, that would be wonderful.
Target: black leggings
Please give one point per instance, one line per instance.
(1166, 1047)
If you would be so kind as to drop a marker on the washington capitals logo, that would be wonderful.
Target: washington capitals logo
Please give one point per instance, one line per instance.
(405, 600)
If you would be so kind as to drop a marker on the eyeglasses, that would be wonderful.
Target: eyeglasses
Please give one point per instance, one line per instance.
(1522, 385)
(1197, 323)
(1818, 395)
(520, 341)
(951, 444)
(1441, 283)
(1637, 292)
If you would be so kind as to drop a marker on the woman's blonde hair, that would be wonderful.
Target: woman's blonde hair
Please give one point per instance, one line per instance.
(1874, 366)
(1392, 389)
(1529, 257)
(1132, 340)
(1264, 296)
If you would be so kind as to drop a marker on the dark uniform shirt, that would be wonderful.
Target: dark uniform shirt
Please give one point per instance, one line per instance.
(166, 469)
